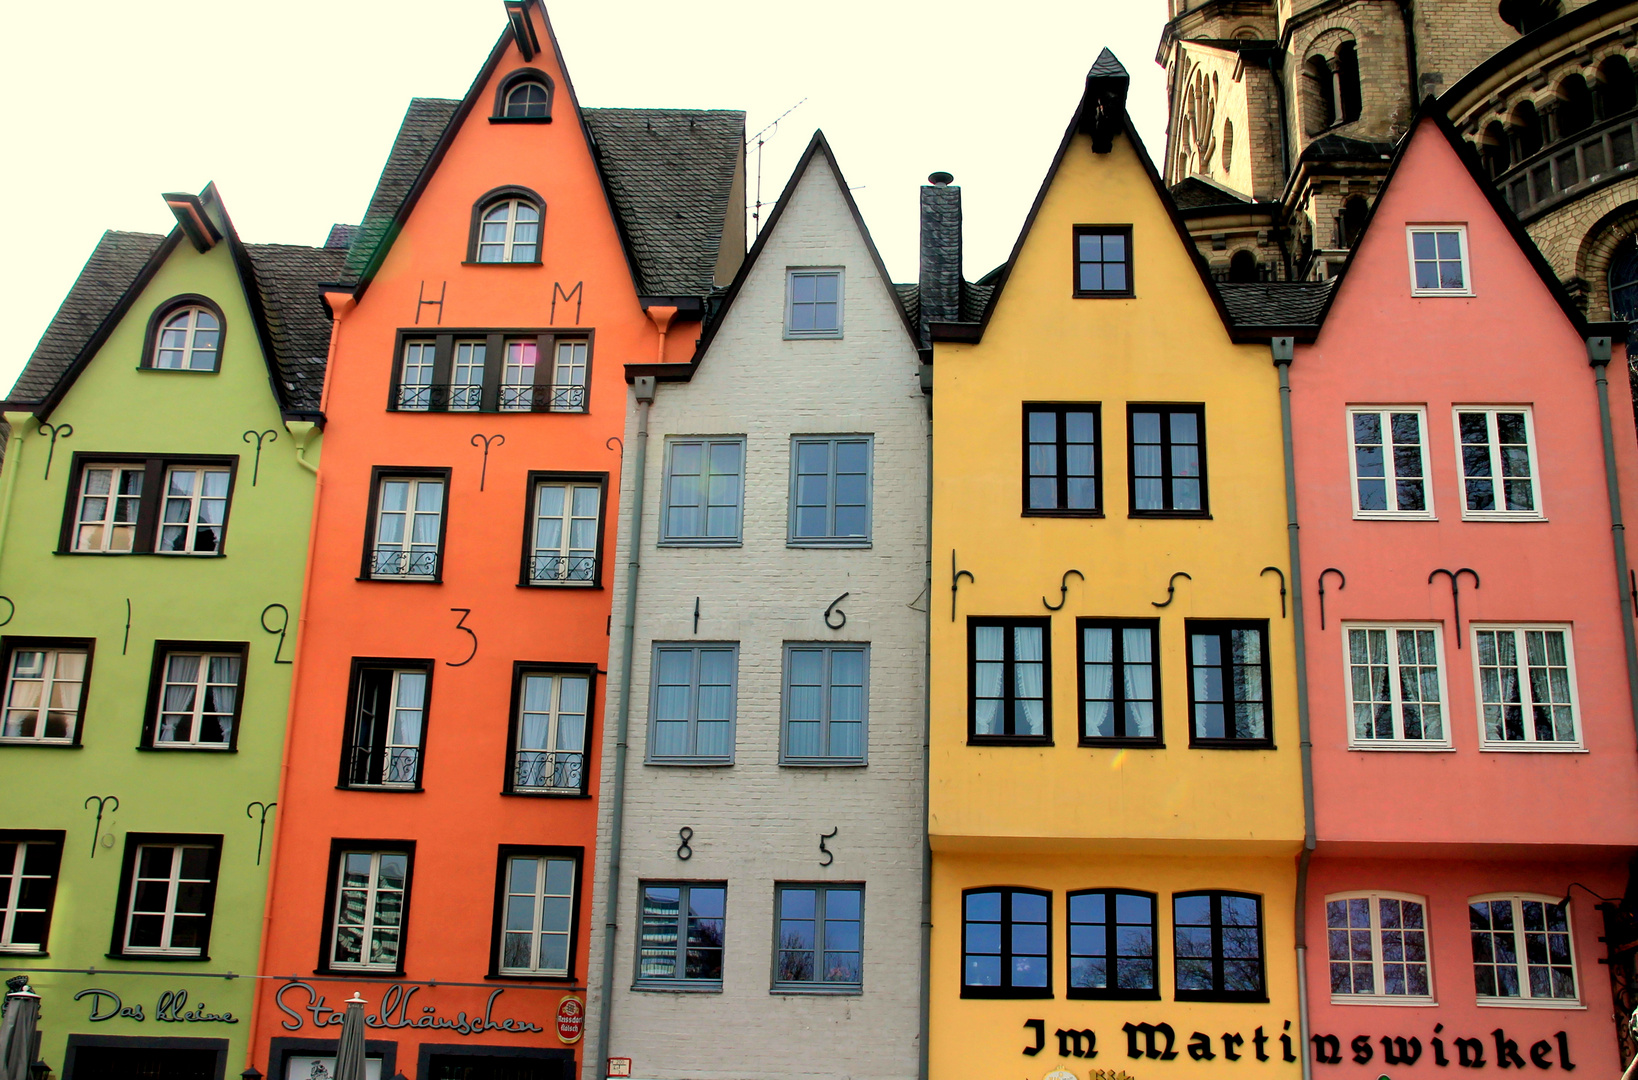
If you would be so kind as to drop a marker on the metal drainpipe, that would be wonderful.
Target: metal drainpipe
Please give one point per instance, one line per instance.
(1598, 354)
(643, 388)
(926, 761)
(1283, 349)
(14, 458)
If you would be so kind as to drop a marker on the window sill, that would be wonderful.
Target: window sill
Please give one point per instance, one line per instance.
(1486, 747)
(185, 749)
(1384, 999)
(1006, 992)
(1211, 995)
(361, 972)
(548, 794)
(1501, 515)
(473, 262)
(825, 542)
(688, 542)
(1198, 515)
(828, 336)
(169, 958)
(178, 370)
(1126, 295)
(1390, 746)
(1385, 515)
(588, 586)
(36, 954)
(140, 554)
(1112, 995)
(401, 580)
(1567, 1004)
(1116, 743)
(50, 744)
(520, 119)
(1062, 513)
(384, 789)
(815, 991)
(822, 763)
(528, 977)
(679, 988)
(1008, 740)
(1231, 744)
(1442, 292)
(689, 763)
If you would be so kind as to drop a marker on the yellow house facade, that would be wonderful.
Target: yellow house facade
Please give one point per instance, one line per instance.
(1115, 792)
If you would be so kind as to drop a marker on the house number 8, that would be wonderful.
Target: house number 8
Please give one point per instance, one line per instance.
(684, 852)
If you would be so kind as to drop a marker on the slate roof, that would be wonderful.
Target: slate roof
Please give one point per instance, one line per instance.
(288, 276)
(1342, 148)
(115, 262)
(973, 298)
(1280, 304)
(1195, 192)
(669, 174)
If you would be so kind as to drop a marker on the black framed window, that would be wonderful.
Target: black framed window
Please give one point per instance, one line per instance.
(1218, 946)
(384, 742)
(47, 680)
(819, 942)
(121, 504)
(195, 695)
(1006, 943)
(563, 522)
(537, 911)
(492, 370)
(506, 227)
(1230, 691)
(1103, 260)
(167, 895)
(1112, 945)
(551, 717)
(1009, 680)
(1120, 681)
(680, 940)
(367, 905)
(1166, 453)
(524, 96)
(29, 862)
(408, 520)
(1063, 459)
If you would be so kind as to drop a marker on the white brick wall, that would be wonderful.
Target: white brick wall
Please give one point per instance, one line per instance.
(757, 823)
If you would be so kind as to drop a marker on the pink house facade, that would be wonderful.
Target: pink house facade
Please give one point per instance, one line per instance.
(1469, 649)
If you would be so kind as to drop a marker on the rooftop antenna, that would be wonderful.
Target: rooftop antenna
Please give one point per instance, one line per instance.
(770, 131)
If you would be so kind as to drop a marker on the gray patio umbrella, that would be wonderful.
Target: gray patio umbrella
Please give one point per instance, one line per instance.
(350, 1047)
(17, 1034)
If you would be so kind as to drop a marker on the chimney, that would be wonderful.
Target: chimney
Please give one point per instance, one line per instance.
(940, 281)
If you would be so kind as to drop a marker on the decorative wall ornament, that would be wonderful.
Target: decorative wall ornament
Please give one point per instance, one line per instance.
(460, 624)
(840, 613)
(615, 442)
(829, 855)
(684, 852)
(1171, 589)
(1342, 583)
(1280, 572)
(1063, 591)
(11, 610)
(261, 825)
(577, 294)
(279, 630)
(487, 441)
(65, 431)
(127, 644)
(696, 614)
(271, 436)
(1200, 118)
(1455, 595)
(421, 301)
(955, 582)
(102, 802)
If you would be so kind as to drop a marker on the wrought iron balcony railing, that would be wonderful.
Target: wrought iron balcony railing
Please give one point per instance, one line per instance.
(546, 568)
(389, 766)
(397, 562)
(446, 397)
(555, 772)
(1561, 171)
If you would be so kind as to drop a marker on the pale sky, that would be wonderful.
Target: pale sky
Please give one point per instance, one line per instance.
(291, 106)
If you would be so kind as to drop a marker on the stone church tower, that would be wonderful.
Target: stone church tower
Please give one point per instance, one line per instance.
(1284, 114)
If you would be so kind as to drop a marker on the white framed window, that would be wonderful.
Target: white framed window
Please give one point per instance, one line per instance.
(1438, 260)
(813, 303)
(408, 528)
(1497, 455)
(198, 700)
(538, 925)
(1396, 687)
(415, 378)
(509, 232)
(110, 499)
(1389, 462)
(569, 375)
(1527, 696)
(388, 732)
(693, 704)
(704, 491)
(168, 911)
(188, 341)
(45, 694)
(830, 490)
(549, 753)
(28, 884)
(466, 376)
(372, 897)
(1378, 948)
(518, 376)
(195, 510)
(563, 550)
(1523, 950)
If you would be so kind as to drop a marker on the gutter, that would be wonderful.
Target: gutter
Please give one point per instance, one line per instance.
(1598, 354)
(14, 454)
(1284, 349)
(643, 389)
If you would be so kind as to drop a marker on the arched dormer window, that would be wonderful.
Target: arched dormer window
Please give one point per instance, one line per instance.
(524, 96)
(506, 227)
(185, 334)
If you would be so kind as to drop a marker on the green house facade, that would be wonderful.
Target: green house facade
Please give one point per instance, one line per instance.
(155, 505)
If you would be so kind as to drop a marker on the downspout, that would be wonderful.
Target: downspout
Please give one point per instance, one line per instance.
(338, 309)
(1283, 349)
(643, 388)
(1598, 354)
(925, 1004)
(14, 456)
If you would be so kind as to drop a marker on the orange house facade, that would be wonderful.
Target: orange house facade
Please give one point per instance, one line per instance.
(437, 811)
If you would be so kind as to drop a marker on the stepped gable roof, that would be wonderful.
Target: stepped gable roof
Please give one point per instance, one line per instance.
(1196, 192)
(670, 174)
(1283, 307)
(115, 263)
(1342, 148)
(288, 277)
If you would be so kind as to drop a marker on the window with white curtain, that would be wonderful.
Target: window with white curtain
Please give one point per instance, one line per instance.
(195, 510)
(1120, 683)
(45, 692)
(385, 738)
(198, 702)
(509, 232)
(408, 528)
(565, 536)
(1009, 680)
(549, 753)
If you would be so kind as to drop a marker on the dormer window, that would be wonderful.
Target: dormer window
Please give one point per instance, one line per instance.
(186, 336)
(525, 96)
(527, 100)
(506, 228)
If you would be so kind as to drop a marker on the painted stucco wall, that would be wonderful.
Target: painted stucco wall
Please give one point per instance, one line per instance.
(758, 822)
(115, 408)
